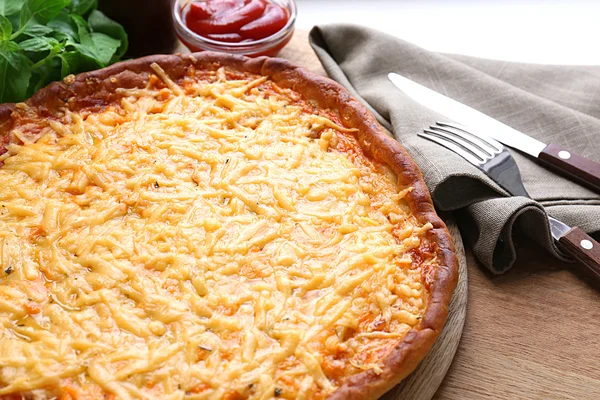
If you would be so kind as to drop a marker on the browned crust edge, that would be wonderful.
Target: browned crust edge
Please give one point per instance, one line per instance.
(96, 89)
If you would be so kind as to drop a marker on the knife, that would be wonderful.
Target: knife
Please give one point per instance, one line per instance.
(586, 172)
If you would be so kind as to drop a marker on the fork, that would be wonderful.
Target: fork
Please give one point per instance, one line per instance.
(495, 161)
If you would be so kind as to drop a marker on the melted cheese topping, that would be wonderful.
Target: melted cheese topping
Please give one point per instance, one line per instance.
(222, 241)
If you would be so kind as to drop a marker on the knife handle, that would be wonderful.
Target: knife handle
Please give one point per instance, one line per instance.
(586, 172)
(584, 248)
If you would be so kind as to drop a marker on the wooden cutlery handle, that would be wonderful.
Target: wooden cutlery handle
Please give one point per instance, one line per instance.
(585, 171)
(584, 248)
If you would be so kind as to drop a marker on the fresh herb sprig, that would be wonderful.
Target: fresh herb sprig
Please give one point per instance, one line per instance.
(45, 40)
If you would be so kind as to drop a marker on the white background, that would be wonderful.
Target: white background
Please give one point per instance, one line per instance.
(552, 32)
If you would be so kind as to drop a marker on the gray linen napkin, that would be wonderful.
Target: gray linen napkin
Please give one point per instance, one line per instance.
(558, 104)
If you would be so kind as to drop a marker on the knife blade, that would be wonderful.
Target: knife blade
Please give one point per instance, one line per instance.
(583, 170)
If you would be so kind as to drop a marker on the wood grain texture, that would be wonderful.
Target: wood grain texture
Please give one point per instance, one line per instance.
(531, 333)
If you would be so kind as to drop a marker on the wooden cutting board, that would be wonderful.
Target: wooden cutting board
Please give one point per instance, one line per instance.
(425, 380)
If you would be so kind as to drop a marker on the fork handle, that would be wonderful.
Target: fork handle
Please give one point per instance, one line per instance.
(584, 248)
(586, 172)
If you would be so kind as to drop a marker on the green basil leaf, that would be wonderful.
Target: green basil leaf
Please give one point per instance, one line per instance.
(66, 39)
(64, 24)
(83, 31)
(9, 46)
(96, 45)
(65, 68)
(41, 77)
(81, 7)
(5, 27)
(74, 62)
(9, 7)
(99, 22)
(44, 40)
(9, 51)
(14, 78)
(86, 44)
(48, 58)
(38, 44)
(105, 47)
(14, 21)
(42, 10)
(34, 29)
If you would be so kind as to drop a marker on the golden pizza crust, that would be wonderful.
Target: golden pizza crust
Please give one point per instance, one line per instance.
(95, 90)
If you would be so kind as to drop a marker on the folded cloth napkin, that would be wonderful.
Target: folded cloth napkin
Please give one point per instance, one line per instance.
(558, 104)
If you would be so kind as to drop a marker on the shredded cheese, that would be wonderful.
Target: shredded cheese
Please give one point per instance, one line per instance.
(211, 243)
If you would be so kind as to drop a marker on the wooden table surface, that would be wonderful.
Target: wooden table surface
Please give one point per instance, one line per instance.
(532, 333)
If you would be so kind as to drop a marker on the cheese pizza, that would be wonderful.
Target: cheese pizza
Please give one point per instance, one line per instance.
(211, 227)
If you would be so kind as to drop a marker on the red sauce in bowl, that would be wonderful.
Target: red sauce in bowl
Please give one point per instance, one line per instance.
(247, 27)
(235, 21)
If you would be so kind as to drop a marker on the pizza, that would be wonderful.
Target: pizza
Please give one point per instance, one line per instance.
(212, 227)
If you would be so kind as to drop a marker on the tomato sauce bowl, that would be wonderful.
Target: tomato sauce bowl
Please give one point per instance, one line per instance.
(246, 27)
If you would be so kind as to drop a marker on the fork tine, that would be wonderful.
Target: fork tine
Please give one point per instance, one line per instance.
(462, 142)
(488, 150)
(452, 147)
(497, 146)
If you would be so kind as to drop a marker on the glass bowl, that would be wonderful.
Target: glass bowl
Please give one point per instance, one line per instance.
(269, 46)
